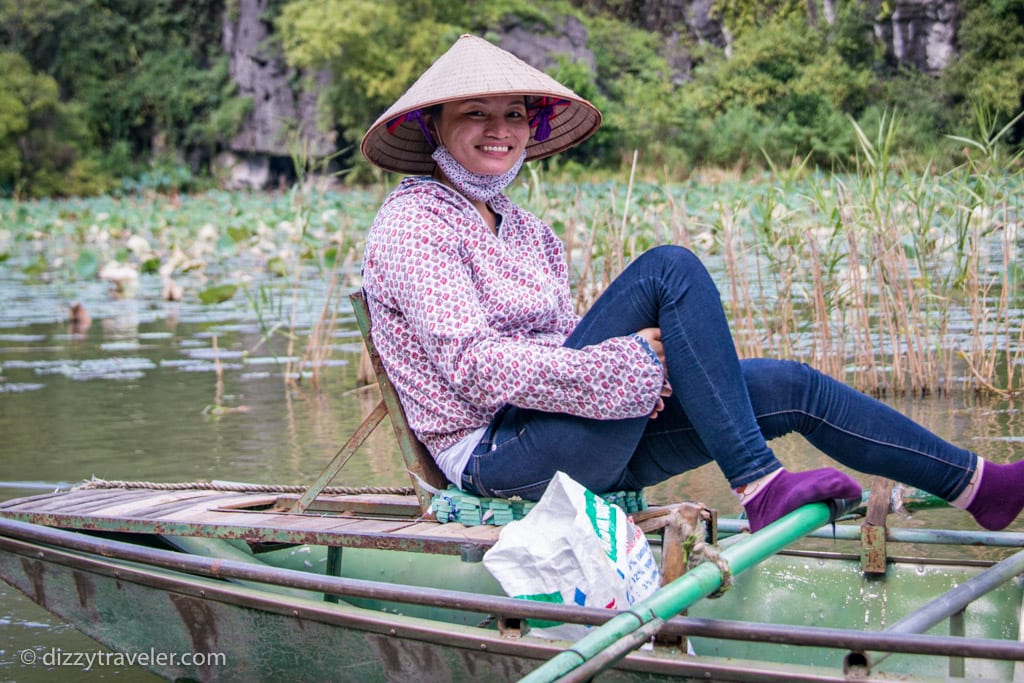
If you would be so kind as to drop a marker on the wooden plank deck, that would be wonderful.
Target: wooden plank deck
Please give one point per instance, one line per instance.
(254, 517)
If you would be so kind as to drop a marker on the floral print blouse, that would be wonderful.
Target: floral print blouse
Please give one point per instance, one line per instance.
(466, 320)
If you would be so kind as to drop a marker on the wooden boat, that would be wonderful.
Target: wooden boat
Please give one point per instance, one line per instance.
(357, 586)
(240, 582)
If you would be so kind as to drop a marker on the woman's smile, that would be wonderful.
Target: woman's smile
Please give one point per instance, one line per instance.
(487, 135)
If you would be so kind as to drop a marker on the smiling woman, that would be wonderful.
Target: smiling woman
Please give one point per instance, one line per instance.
(487, 134)
(506, 386)
(481, 145)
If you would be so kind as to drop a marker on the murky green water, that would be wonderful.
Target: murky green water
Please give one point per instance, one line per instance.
(162, 392)
(173, 392)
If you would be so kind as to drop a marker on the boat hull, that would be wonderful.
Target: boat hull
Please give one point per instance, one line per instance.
(188, 627)
(191, 628)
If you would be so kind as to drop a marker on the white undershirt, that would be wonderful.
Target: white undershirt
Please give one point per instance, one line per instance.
(453, 460)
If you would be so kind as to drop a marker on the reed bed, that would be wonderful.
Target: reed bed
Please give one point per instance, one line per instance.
(893, 283)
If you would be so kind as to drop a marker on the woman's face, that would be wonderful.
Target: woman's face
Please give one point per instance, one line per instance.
(486, 135)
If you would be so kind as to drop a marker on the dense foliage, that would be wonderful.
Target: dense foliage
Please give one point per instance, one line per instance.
(108, 95)
(140, 85)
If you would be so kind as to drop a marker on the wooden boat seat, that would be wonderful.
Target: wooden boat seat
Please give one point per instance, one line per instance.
(372, 520)
(378, 521)
(424, 472)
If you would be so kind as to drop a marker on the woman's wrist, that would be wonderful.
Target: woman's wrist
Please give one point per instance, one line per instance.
(646, 346)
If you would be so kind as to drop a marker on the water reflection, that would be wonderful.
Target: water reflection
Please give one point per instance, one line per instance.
(154, 395)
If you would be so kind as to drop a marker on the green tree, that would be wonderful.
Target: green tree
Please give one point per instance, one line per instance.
(150, 76)
(374, 50)
(989, 69)
(785, 90)
(40, 137)
(635, 87)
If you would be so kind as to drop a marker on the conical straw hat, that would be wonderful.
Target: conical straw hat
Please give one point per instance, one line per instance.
(473, 67)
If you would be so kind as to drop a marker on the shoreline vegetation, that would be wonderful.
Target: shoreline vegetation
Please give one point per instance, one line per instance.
(894, 282)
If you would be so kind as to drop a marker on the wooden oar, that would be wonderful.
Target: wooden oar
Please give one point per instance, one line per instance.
(623, 633)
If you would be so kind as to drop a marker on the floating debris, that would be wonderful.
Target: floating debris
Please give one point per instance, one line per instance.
(124, 278)
(79, 320)
(19, 387)
(121, 346)
(172, 291)
(188, 365)
(214, 354)
(22, 338)
(94, 368)
(270, 360)
(217, 411)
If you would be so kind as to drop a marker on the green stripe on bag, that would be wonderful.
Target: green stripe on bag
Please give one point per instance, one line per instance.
(554, 598)
(605, 523)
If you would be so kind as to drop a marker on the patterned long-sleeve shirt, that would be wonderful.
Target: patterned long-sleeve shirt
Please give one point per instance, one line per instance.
(466, 321)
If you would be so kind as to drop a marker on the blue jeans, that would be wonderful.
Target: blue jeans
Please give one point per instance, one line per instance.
(722, 409)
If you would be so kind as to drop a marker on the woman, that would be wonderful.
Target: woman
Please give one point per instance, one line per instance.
(506, 386)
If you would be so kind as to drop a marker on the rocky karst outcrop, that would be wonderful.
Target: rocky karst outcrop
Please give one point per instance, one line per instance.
(920, 33)
(280, 114)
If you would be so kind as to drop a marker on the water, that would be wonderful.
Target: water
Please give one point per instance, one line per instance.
(171, 392)
(160, 392)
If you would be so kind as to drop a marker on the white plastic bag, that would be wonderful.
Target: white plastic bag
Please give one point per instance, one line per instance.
(573, 548)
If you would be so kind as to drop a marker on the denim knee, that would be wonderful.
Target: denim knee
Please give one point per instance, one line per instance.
(670, 256)
(678, 270)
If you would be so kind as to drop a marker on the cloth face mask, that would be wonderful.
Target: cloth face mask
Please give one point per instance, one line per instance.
(475, 186)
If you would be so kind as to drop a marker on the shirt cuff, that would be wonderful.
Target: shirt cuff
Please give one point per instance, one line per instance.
(647, 347)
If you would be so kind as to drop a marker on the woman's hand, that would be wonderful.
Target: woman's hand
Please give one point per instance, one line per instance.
(652, 335)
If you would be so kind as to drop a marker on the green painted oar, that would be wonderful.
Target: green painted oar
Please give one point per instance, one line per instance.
(621, 634)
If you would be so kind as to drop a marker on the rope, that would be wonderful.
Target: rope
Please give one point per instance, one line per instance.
(697, 550)
(95, 483)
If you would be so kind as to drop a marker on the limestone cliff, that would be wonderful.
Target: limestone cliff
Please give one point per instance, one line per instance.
(919, 33)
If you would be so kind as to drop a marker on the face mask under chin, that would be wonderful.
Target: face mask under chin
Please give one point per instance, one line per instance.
(475, 186)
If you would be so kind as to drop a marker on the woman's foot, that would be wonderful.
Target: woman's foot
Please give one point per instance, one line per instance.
(1000, 495)
(783, 491)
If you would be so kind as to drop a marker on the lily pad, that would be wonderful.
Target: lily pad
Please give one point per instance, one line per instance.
(87, 264)
(217, 293)
(238, 233)
(277, 266)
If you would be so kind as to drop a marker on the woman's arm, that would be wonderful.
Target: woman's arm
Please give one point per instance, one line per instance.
(451, 292)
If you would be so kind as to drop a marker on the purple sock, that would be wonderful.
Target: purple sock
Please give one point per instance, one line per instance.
(790, 490)
(1000, 495)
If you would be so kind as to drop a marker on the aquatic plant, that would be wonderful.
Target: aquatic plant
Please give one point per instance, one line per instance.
(892, 281)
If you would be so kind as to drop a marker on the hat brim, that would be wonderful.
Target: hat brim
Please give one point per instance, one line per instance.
(473, 67)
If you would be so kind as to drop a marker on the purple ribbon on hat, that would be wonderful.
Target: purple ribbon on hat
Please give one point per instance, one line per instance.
(414, 116)
(543, 111)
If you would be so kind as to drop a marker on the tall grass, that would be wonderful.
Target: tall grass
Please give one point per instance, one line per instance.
(894, 282)
(335, 264)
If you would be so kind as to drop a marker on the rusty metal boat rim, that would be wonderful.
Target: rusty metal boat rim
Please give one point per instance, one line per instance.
(108, 556)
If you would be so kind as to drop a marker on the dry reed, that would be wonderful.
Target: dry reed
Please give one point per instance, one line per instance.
(869, 277)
